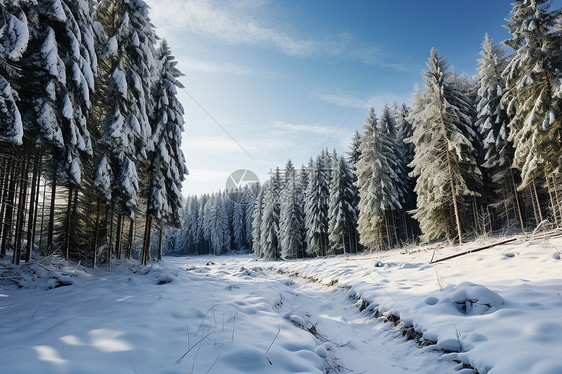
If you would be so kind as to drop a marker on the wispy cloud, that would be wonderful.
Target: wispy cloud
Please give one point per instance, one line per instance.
(356, 101)
(241, 23)
(188, 64)
(280, 128)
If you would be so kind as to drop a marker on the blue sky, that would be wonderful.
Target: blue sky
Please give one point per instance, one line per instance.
(281, 77)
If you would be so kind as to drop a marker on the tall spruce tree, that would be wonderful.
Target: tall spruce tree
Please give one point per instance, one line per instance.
(445, 161)
(534, 92)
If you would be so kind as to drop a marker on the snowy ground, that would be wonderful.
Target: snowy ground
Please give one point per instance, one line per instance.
(238, 315)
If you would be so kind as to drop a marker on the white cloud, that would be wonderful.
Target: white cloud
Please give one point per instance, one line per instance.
(188, 64)
(355, 101)
(239, 23)
(283, 128)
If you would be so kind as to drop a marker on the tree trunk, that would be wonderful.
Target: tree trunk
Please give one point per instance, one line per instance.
(387, 230)
(66, 240)
(7, 204)
(97, 234)
(146, 242)
(51, 227)
(131, 236)
(552, 204)
(160, 245)
(538, 202)
(118, 236)
(31, 219)
(42, 214)
(453, 192)
(34, 227)
(517, 200)
(20, 222)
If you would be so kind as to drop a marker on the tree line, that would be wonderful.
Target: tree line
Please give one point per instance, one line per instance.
(90, 130)
(468, 156)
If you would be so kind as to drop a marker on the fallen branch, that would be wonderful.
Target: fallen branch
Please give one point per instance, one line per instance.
(472, 250)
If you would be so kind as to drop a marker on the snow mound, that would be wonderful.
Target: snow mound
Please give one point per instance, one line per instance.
(473, 299)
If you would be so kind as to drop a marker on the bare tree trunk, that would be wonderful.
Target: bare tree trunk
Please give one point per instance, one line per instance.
(538, 202)
(51, 226)
(160, 245)
(517, 200)
(20, 222)
(387, 230)
(453, 192)
(118, 236)
(97, 234)
(146, 243)
(34, 230)
(7, 204)
(31, 219)
(556, 196)
(66, 240)
(552, 204)
(42, 214)
(131, 236)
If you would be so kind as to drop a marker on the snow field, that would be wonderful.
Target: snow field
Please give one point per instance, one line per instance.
(171, 318)
(497, 310)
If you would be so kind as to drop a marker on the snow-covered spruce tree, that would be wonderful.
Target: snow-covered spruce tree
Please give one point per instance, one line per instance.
(249, 200)
(534, 92)
(238, 226)
(127, 75)
(166, 164)
(291, 230)
(492, 120)
(14, 38)
(445, 161)
(379, 191)
(404, 130)
(270, 246)
(341, 212)
(316, 208)
(353, 156)
(257, 216)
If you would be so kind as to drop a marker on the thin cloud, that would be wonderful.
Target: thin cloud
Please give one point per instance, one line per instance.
(188, 65)
(238, 23)
(290, 128)
(355, 101)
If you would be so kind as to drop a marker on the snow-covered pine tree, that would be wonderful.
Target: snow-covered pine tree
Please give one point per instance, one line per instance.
(534, 92)
(14, 39)
(249, 201)
(404, 130)
(166, 164)
(316, 208)
(270, 246)
(445, 161)
(341, 213)
(352, 158)
(257, 216)
(492, 121)
(128, 72)
(379, 194)
(291, 230)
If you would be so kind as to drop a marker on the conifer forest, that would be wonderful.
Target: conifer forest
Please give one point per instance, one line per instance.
(90, 131)
(468, 156)
(91, 166)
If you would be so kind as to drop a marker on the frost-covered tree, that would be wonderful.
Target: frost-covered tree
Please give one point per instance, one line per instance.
(270, 246)
(492, 121)
(377, 182)
(257, 216)
(341, 212)
(445, 159)
(291, 230)
(14, 39)
(534, 91)
(316, 208)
